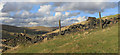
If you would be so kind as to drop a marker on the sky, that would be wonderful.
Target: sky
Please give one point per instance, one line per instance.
(28, 14)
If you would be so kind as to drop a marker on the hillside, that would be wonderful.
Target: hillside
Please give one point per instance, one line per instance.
(10, 33)
(42, 28)
(91, 41)
(79, 40)
(29, 30)
(83, 22)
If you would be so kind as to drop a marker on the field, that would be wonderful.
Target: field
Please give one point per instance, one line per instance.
(91, 41)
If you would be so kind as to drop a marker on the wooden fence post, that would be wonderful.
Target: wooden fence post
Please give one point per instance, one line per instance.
(59, 27)
(24, 32)
(100, 20)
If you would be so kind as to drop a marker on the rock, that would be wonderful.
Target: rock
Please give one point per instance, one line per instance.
(86, 33)
(45, 39)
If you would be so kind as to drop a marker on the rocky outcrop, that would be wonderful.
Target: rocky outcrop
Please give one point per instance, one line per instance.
(81, 27)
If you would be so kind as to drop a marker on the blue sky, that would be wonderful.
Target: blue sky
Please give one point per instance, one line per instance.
(45, 14)
(107, 12)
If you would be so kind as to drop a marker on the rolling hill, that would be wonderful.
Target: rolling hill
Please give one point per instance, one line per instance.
(89, 41)
(92, 41)
(29, 30)
(42, 28)
(8, 31)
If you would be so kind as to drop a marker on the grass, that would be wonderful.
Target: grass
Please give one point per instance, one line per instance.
(91, 41)
(41, 28)
(110, 16)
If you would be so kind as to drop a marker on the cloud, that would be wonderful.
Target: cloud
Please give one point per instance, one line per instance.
(45, 9)
(59, 0)
(67, 13)
(21, 10)
(6, 20)
(24, 15)
(33, 23)
(44, 17)
(13, 6)
(18, 6)
(58, 14)
(1, 7)
(89, 7)
(69, 21)
(74, 14)
(50, 21)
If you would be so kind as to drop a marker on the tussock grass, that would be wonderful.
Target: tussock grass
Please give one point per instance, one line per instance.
(91, 41)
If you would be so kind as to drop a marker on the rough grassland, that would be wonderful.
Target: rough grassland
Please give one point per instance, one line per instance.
(91, 41)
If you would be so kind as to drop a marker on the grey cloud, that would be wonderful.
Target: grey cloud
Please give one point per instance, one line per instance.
(74, 14)
(13, 6)
(25, 15)
(73, 20)
(89, 7)
(18, 6)
(41, 19)
(59, 0)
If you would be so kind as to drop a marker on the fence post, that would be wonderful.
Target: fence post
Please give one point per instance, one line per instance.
(59, 27)
(24, 32)
(100, 20)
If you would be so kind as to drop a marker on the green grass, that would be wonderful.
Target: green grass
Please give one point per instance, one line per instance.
(94, 41)
(111, 16)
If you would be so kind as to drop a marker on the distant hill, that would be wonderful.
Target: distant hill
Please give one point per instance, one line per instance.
(42, 28)
(21, 29)
(9, 31)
